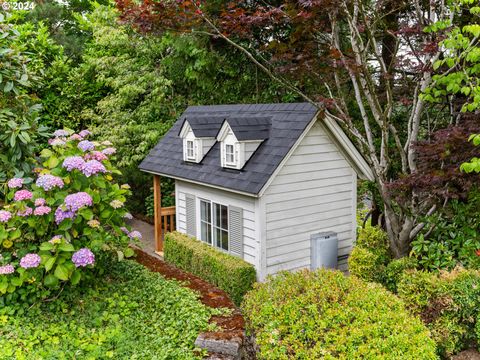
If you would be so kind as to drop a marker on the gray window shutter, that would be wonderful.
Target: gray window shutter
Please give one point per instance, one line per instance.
(191, 218)
(235, 230)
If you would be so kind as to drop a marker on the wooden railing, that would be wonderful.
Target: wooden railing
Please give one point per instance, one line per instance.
(168, 219)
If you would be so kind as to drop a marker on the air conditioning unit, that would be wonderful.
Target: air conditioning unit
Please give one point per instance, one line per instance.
(324, 250)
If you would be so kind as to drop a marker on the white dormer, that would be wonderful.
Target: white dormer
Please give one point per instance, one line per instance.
(194, 148)
(233, 152)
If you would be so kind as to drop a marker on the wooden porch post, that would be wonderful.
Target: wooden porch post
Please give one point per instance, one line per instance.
(157, 203)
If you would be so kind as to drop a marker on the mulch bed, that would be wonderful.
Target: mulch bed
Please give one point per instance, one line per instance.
(232, 326)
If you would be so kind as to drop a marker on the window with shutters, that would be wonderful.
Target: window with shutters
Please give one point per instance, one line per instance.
(214, 224)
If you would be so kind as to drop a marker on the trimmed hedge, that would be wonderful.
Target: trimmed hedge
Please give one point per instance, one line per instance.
(326, 315)
(231, 274)
(448, 303)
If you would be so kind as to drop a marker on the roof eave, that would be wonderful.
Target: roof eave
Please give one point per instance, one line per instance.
(201, 183)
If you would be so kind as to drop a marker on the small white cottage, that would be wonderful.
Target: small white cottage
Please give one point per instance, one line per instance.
(261, 181)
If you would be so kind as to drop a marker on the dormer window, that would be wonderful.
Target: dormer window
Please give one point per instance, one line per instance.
(230, 155)
(239, 138)
(198, 138)
(190, 150)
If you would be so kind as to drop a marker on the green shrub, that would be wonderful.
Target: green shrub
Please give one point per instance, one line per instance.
(365, 264)
(395, 269)
(229, 273)
(53, 226)
(453, 238)
(324, 314)
(131, 314)
(448, 302)
(374, 239)
(370, 254)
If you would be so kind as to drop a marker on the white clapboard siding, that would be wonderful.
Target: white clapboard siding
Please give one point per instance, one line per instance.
(313, 192)
(247, 205)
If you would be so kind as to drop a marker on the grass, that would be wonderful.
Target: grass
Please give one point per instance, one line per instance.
(131, 314)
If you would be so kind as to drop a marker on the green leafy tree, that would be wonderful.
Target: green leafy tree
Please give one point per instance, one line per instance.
(20, 129)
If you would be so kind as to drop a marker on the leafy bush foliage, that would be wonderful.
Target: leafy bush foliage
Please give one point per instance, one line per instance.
(229, 273)
(365, 264)
(19, 124)
(51, 228)
(448, 303)
(370, 254)
(453, 238)
(394, 271)
(131, 314)
(324, 314)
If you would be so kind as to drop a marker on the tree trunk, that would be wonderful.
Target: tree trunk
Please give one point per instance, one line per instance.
(399, 228)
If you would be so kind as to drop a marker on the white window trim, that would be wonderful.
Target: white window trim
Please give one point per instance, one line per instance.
(187, 156)
(213, 244)
(227, 162)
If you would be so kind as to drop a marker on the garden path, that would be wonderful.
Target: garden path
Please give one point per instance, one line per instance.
(148, 235)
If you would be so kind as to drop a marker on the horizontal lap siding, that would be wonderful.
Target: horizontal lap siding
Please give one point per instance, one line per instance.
(312, 193)
(250, 245)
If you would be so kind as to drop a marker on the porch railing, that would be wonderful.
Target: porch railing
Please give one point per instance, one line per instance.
(168, 219)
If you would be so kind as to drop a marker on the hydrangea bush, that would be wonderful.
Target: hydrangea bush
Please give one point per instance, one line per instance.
(53, 229)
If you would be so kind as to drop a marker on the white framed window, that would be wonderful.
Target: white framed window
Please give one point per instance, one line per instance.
(190, 150)
(214, 224)
(229, 154)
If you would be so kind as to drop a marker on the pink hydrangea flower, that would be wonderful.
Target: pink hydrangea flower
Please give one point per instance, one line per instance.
(93, 167)
(61, 215)
(73, 162)
(15, 183)
(109, 151)
(6, 269)
(22, 195)
(42, 210)
(84, 133)
(73, 202)
(56, 142)
(47, 182)
(83, 257)
(86, 145)
(96, 155)
(26, 212)
(30, 261)
(75, 137)
(5, 216)
(61, 133)
(40, 202)
(135, 235)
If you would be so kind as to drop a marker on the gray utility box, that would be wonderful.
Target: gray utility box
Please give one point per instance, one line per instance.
(324, 250)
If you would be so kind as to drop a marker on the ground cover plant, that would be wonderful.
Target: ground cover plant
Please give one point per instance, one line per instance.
(54, 226)
(326, 315)
(130, 314)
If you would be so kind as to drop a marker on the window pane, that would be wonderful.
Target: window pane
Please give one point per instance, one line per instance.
(216, 214)
(224, 240)
(224, 223)
(206, 233)
(217, 237)
(203, 210)
(203, 233)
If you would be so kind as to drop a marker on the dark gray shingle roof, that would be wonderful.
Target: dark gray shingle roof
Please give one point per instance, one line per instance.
(287, 122)
(203, 126)
(249, 128)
